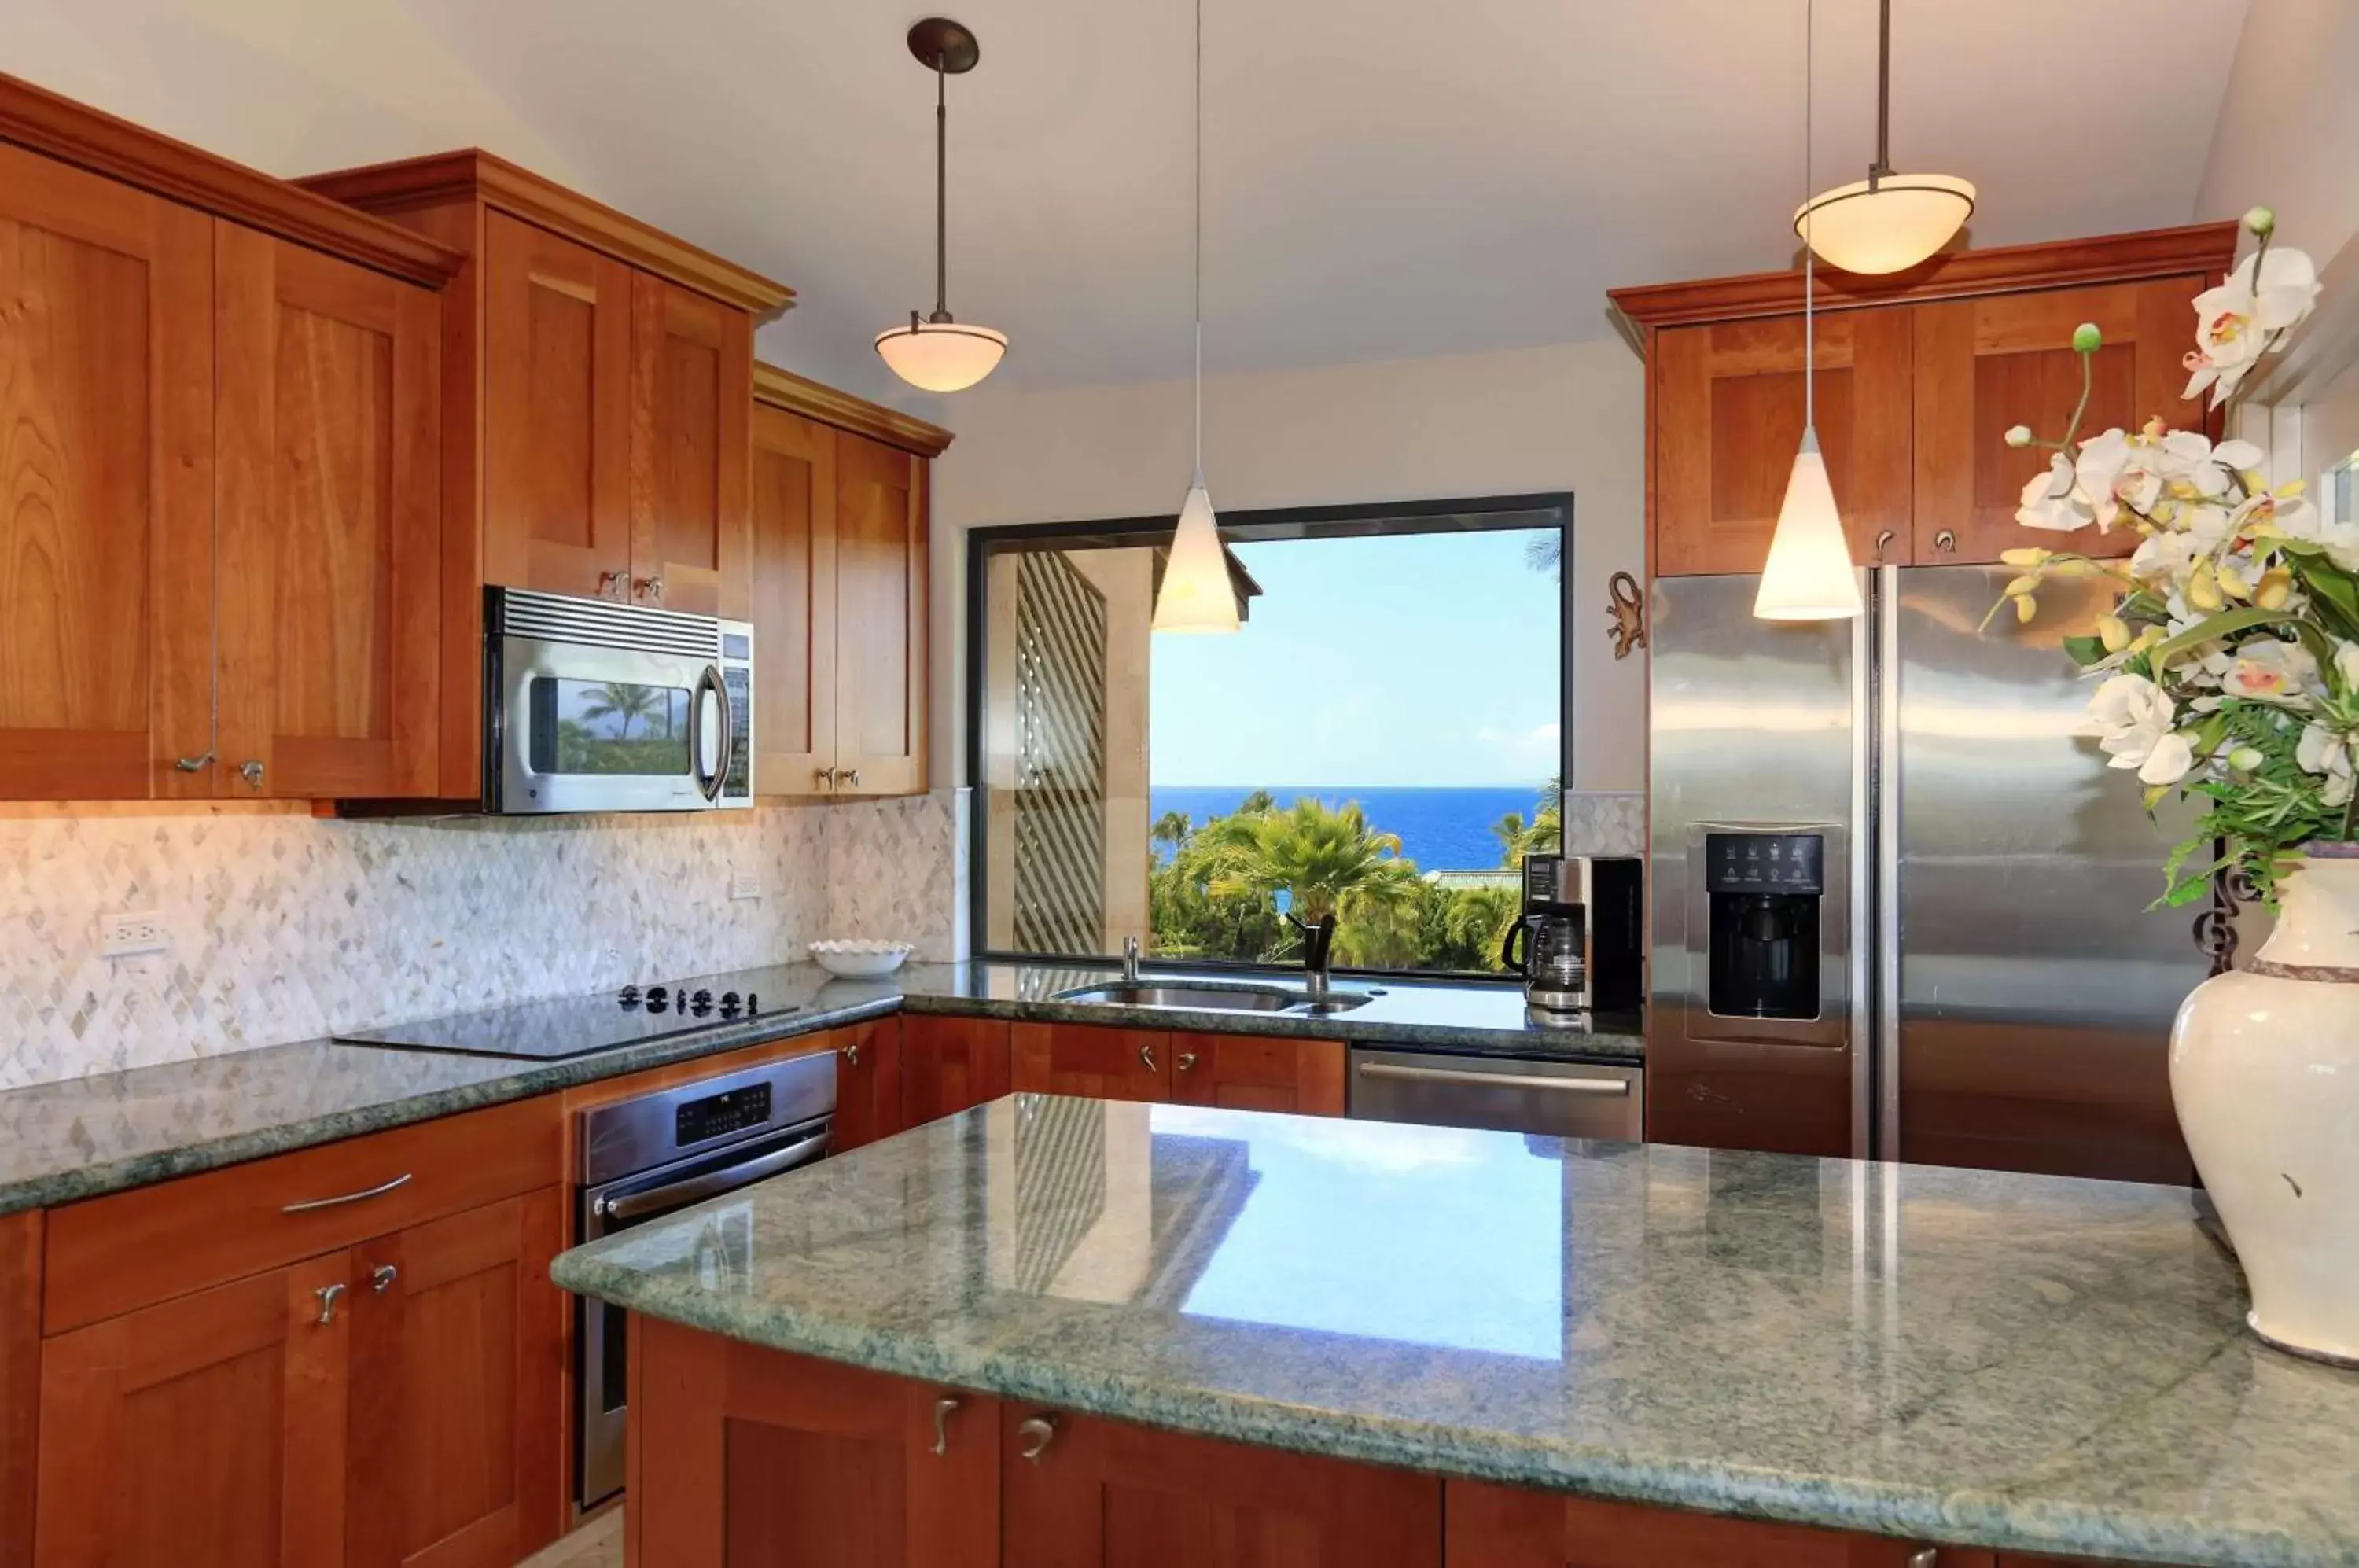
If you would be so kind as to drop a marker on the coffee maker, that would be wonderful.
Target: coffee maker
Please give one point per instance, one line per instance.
(1579, 944)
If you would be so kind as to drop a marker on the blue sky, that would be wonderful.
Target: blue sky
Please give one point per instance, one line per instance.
(1426, 659)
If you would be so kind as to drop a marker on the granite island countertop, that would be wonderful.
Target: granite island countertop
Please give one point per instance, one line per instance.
(85, 1136)
(2026, 1363)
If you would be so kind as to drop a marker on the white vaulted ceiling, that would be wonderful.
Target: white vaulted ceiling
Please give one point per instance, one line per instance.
(1385, 179)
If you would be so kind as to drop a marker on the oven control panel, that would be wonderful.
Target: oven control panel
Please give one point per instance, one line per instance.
(715, 1115)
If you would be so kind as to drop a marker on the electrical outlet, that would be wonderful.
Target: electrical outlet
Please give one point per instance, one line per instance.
(745, 884)
(125, 935)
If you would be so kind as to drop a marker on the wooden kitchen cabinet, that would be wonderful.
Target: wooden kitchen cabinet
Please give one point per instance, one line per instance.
(327, 473)
(1728, 419)
(867, 1083)
(838, 572)
(556, 412)
(753, 1459)
(691, 394)
(1258, 1072)
(1104, 1494)
(1984, 365)
(949, 1065)
(1505, 1527)
(1091, 1061)
(208, 1432)
(20, 1382)
(458, 1367)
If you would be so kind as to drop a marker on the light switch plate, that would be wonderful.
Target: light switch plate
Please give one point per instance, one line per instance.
(127, 935)
(745, 884)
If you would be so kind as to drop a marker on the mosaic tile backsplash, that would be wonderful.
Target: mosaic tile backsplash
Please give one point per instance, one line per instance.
(1597, 824)
(282, 927)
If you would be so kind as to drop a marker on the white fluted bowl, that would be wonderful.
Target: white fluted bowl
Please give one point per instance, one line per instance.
(860, 960)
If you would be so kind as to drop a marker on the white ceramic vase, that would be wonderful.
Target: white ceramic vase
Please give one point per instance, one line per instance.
(2265, 1076)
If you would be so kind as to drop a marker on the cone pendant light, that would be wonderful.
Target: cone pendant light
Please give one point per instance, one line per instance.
(1197, 595)
(1808, 575)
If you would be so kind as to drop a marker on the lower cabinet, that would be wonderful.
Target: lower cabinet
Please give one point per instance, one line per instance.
(1503, 1527)
(867, 1083)
(1235, 1072)
(20, 1382)
(949, 1065)
(1092, 1061)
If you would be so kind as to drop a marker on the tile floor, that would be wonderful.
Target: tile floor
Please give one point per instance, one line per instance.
(598, 1544)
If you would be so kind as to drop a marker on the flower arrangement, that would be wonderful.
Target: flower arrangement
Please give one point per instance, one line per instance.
(2228, 667)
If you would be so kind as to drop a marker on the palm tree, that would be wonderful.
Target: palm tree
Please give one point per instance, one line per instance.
(624, 701)
(1546, 553)
(1171, 827)
(1326, 860)
(1543, 834)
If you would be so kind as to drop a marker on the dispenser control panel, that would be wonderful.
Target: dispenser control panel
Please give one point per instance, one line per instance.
(1765, 863)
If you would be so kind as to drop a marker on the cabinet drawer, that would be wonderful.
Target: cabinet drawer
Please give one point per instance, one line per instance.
(115, 1254)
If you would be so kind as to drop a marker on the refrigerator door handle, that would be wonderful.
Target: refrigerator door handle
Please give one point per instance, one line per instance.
(1887, 866)
(1859, 956)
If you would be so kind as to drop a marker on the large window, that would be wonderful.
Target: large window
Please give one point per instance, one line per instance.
(1383, 741)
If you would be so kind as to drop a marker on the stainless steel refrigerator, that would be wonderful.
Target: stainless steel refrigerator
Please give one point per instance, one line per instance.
(1898, 908)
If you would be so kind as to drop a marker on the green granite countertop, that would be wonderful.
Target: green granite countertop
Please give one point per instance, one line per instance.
(2018, 1362)
(84, 1137)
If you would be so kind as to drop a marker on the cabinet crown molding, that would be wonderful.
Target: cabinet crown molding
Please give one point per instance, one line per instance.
(782, 388)
(470, 174)
(2111, 258)
(43, 122)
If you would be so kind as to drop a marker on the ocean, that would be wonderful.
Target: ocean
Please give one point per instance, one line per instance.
(1441, 830)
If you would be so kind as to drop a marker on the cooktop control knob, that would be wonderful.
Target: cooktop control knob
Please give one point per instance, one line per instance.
(753, 1003)
(730, 1001)
(630, 997)
(703, 998)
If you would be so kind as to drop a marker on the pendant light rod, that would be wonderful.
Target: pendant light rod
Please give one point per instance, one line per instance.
(1809, 274)
(1882, 165)
(942, 195)
(1198, 263)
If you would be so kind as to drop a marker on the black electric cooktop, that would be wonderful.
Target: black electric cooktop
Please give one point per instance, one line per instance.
(577, 1026)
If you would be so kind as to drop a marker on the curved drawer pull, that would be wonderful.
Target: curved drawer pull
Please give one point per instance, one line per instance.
(1147, 1057)
(307, 1205)
(944, 1408)
(1037, 1433)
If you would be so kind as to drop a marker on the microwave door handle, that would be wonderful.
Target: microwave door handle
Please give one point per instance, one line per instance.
(696, 1189)
(517, 723)
(710, 681)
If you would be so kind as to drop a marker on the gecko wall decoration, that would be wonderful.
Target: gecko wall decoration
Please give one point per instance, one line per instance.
(1629, 612)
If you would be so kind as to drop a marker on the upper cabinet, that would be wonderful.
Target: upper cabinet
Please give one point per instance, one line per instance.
(219, 501)
(1920, 375)
(597, 397)
(837, 572)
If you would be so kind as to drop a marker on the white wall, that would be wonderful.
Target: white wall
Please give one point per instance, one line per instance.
(2287, 134)
(1565, 418)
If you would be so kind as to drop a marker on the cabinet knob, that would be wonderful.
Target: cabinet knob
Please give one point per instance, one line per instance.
(1037, 1433)
(382, 1276)
(852, 1053)
(611, 584)
(944, 1408)
(1147, 1057)
(1883, 543)
(251, 771)
(851, 776)
(193, 763)
(329, 1295)
(1924, 1557)
(651, 590)
(1187, 1060)
(827, 777)
(1946, 542)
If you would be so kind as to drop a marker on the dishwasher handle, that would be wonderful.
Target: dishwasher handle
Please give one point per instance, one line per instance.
(1604, 1088)
(712, 1183)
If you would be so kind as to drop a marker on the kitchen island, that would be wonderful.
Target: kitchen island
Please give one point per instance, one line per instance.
(1058, 1330)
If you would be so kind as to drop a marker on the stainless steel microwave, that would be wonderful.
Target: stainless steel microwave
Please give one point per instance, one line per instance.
(591, 706)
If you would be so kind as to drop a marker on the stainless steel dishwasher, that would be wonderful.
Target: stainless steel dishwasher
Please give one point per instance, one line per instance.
(646, 1158)
(1502, 1093)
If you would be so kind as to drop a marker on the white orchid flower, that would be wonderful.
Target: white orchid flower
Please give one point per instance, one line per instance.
(2297, 518)
(2115, 471)
(2051, 500)
(2235, 322)
(2346, 664)
(2268, 671)
(2328, 754)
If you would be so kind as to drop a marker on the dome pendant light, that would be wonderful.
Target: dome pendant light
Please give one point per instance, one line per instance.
(1808, 575)
(935, 353)
(1886, 222)
(1197, 595)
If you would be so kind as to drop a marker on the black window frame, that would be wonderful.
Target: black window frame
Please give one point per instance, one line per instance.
(1350, 520)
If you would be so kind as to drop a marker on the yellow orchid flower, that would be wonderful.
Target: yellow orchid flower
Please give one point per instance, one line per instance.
(2027, 555)
(2203, 588)
(2114, 632)
(2275, 588)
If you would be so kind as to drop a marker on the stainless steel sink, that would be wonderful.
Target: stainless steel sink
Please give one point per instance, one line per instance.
(1210, 998)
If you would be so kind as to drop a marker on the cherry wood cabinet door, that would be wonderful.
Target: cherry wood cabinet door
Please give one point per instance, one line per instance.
(791, 580)
(106, 497)
(328, 523)
(557, 413)
(949, 1065)
(1102, 1494)
(1253, 1073)
(691, 395)
(1984, 364)
(458, 1391)
(1504, 1527)
(20, 1382)
(1091, 1061)
(867, 1083)
(880, 618)
(1728, 419)
(205, 1432)
(753, 1459)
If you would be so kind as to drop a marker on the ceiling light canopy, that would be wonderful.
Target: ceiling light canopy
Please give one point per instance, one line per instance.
(1889, 221)
(935, 353)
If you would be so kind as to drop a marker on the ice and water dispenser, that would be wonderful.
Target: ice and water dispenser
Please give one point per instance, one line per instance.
(1763, 890)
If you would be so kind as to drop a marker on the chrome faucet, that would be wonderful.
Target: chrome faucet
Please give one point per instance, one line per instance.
(1130, 961)
(1318, 944)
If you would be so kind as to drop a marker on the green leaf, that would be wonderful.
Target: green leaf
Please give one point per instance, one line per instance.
(2084, 650)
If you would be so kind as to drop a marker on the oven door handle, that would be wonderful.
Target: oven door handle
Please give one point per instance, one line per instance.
(696, 1189)
(1616, 1088)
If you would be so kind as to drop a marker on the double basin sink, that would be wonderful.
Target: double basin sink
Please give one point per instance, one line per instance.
(1214, 996)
